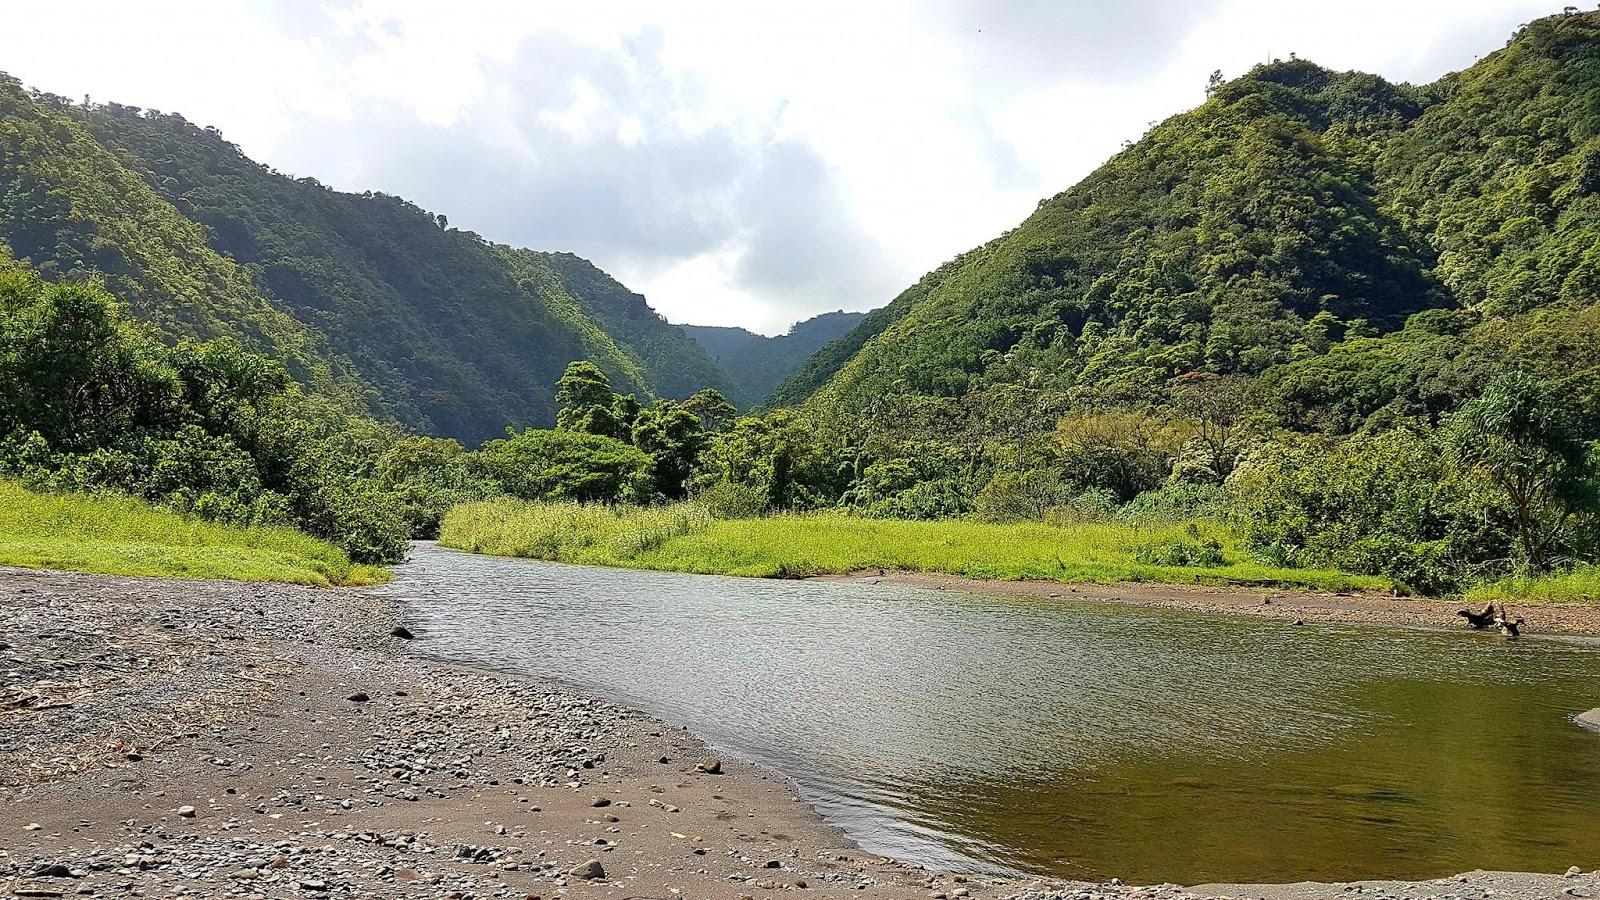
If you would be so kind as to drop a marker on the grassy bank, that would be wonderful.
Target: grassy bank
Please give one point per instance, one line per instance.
(1581, 585)
(121, 536)
(684, 538)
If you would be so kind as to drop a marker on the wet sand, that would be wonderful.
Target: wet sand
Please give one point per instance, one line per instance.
(1291, 605)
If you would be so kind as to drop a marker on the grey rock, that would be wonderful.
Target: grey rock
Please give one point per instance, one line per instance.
(590, 870)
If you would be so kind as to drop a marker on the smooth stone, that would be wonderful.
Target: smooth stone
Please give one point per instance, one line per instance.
(711, 765)
(358, 697)
(1590, 719)
(188, 812)
(590, 870)
(402, 632)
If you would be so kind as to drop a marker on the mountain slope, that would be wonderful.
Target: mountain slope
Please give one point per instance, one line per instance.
(434, 318)
(672, 364)
(1213, 243)
(1502, 177)
(1296, 208)
(756, 363)
(70, 209)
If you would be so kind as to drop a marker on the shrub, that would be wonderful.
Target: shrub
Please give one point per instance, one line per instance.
(538, 464)
(1196, 553)
(1386, 505)
(1176, 501)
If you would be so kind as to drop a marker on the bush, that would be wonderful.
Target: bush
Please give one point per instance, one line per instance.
(732, 499)
(1093, 505)
(537, 464)
(1196, 553)
(1176, 501)
(1387, 505)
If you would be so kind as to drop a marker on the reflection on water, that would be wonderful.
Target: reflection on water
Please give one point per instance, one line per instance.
(1073, 738)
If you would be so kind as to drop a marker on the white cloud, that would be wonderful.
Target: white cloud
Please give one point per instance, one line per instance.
(738, 163)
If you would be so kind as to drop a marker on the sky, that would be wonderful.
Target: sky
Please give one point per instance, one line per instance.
(739, 163)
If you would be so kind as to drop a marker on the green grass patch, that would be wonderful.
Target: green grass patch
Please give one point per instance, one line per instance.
(1581, 585)
(117, 535)
(684, 538)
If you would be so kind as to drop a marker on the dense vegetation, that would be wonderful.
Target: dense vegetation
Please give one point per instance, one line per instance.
(756, 364)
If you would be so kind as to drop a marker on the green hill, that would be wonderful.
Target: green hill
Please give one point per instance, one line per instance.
(364, 294)
(72, 210)
(756, 363)
(1295, 209)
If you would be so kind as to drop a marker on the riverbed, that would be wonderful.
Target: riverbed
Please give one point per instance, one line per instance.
(1075, 739)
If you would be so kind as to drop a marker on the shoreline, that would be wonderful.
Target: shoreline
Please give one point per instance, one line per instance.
(161, 736)
(1350, 608)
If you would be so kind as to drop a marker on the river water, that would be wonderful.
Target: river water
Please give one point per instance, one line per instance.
(1077, 739)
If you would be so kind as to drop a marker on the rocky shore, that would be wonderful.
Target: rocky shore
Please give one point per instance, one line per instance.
(163, 738)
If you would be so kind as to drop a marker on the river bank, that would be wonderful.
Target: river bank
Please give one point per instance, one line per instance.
(162, 737)
(1351, 608)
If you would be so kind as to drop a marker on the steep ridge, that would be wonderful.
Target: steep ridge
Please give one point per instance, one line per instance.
(433, 317)
(673, 365)
(1214, 243)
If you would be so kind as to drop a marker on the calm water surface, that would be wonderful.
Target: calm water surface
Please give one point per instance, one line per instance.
(1073, 738)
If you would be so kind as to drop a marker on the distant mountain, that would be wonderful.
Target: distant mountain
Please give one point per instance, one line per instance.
(1295, 208)
(756, 364)
(366, 294)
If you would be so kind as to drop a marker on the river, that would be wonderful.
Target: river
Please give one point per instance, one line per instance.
(1072, 738)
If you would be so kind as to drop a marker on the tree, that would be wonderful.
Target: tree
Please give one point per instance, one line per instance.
(1521, 438)
(672, 437)
(714, 410)
(1124, 451)
(587, 403)
(1219, 408)
(779, 457)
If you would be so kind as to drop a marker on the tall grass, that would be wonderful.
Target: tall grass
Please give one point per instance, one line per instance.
(118, 535)
(684, 538)
(1581, 585)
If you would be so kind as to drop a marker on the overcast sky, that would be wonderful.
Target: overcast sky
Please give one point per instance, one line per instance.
(743, 163)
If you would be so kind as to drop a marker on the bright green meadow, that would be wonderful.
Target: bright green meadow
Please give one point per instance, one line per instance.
(117, 535)
(684, 538)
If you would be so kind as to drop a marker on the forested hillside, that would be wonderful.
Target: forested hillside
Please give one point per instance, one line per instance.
(1297, 207)
(756, 363)
(1358, 318)
(430, 326)
(72, 210)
